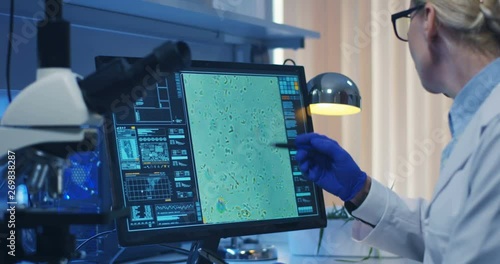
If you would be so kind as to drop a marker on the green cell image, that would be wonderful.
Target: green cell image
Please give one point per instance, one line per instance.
(233, 121)
(221, 205)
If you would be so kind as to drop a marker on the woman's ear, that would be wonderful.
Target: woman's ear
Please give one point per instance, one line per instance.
(431, 22)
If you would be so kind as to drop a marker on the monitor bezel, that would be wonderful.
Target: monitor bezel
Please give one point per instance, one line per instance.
(209, 231)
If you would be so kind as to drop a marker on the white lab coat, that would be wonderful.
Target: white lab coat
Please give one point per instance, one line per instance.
(461, 224)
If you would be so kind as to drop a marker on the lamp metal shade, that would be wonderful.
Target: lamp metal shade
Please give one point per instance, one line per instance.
(333, 94)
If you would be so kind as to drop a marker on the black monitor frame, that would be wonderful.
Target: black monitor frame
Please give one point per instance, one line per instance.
(211, 232)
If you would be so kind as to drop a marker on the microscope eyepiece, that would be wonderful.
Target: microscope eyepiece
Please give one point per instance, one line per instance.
(119, 77)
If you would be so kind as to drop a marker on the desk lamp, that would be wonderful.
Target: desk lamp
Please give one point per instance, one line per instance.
(333, 94)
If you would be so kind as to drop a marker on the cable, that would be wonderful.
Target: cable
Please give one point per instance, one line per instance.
(92, 237)
(9, 49)
(289, 60)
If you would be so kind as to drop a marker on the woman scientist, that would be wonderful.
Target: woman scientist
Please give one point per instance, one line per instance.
(455, 45)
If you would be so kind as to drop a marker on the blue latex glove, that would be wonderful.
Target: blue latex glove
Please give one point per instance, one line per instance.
(323, 161)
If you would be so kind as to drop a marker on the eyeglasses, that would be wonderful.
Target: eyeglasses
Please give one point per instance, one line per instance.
(401, 22)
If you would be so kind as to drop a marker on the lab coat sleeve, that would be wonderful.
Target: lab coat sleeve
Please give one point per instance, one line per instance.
(475, 238)
(397, 222)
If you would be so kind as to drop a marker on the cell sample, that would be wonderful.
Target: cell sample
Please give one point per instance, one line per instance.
(208, 174)
(213, 124)
(244, 213)
(243, 117)
(221, 205)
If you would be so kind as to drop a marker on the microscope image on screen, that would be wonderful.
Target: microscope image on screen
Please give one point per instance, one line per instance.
(243, 121)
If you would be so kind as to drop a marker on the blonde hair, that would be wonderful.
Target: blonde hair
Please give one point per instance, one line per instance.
(473, 22)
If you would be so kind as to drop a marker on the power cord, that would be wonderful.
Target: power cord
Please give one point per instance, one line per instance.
(9, 50)
(93, 237)
(289, 60)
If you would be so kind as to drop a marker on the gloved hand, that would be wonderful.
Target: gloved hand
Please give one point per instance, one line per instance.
(323, 161)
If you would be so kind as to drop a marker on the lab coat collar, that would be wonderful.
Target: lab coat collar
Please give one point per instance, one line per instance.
(471, 97)
(470, 137)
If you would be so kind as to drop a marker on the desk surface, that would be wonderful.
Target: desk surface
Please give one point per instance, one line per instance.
(285, 257)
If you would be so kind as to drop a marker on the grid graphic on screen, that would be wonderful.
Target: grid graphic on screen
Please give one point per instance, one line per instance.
(289, 85)
(233, 121)
(148, 188)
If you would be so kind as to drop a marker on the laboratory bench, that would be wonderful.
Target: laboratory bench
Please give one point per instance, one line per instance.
(279, 240)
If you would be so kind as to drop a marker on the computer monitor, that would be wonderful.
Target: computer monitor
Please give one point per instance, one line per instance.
(193, 157)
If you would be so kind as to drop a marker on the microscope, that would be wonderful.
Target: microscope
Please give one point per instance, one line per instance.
(58, 115)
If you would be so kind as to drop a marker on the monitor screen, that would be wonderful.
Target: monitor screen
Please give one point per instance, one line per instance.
(193, 156)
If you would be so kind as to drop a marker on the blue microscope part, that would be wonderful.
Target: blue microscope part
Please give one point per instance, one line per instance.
(81, 177)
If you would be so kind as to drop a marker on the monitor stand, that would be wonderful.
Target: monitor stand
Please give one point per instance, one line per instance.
(253, 251)
(205, 252)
